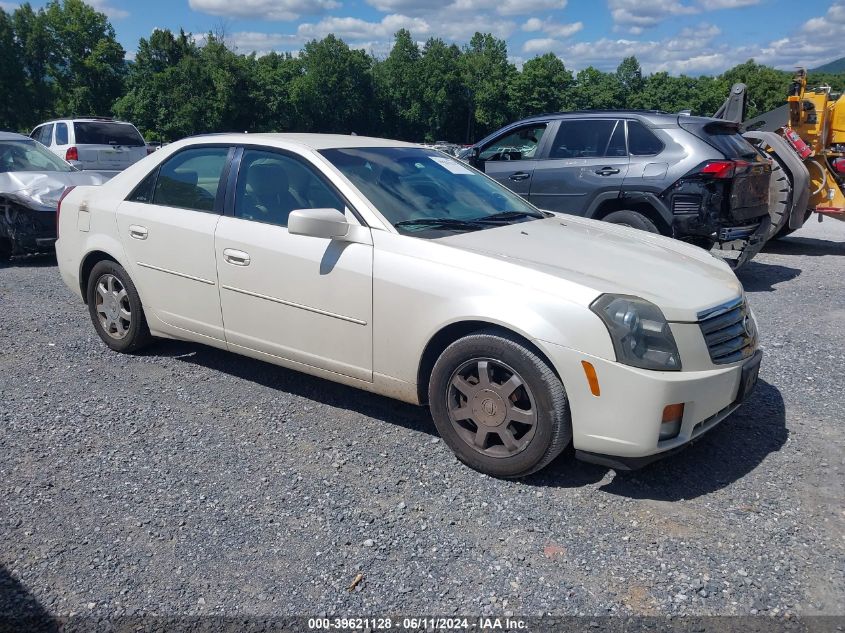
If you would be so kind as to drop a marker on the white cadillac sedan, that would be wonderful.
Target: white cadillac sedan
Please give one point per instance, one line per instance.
(401, 271)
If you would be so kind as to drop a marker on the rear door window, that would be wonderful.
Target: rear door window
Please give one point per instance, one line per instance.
(107, 133)
(61, 133)
(642, 141)
(585, 138)
(191, 179)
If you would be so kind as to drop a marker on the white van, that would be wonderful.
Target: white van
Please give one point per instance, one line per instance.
(95, 144)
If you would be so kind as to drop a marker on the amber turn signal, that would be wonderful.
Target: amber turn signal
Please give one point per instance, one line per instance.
(592, 378)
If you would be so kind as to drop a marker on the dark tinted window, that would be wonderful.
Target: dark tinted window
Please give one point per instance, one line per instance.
(144, 192)
(730, 142)
(189, 180)
(271, 185)
(61, 134)
(516, 145)
(107, 133)
(616, 147)
(584, 138)
(642, 141)
(44, 134)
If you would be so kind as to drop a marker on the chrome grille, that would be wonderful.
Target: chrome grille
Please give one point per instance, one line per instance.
(729, 332)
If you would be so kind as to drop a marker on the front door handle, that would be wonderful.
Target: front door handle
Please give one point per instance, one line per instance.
(138, 232)
(236, 258)
(607, 171)
(520, 175)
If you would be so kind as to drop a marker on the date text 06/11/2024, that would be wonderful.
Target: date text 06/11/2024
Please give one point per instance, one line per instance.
(416, 624)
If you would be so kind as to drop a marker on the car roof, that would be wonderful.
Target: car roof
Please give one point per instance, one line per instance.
(13, 136)
(312, 141)
(85, 119)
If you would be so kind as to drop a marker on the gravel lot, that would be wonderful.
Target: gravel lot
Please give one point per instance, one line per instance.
(192, 481)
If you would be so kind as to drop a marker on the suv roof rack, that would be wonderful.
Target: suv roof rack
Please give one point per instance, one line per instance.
(600, 111)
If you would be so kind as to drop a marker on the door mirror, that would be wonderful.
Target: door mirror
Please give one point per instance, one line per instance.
(474, 158)
(325, 223)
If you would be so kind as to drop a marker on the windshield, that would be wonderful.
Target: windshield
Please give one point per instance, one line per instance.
(425, 193)
(29, 156)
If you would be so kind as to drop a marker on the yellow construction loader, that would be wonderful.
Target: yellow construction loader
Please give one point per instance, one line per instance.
(805, 138)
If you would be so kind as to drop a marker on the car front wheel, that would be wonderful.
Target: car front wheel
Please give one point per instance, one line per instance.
(115, 308)
(498, 405)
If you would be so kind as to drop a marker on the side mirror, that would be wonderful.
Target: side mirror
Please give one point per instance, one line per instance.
(474, 158)
(326, 223)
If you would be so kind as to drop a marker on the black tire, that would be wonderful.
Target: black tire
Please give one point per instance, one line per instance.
(785, 230)
(548, 435)
(780, 197)
(634, 219)
(135, 333)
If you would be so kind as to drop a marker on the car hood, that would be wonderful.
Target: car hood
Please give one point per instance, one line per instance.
(40, 191)
(681, 279)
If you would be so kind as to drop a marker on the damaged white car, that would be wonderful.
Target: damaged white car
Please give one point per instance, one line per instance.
(32, 180)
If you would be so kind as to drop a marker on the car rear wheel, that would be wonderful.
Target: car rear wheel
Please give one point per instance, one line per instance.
(499, 406)
(115, 308)
(634, 219)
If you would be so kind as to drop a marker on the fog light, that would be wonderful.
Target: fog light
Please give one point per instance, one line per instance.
(670, 426)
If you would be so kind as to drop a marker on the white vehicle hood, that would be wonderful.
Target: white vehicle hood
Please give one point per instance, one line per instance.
(681, 279)
(40, 191)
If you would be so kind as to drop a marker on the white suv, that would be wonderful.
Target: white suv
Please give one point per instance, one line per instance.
(399, 270)
(94, 144)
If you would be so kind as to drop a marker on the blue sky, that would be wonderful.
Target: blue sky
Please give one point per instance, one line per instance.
(678, 36)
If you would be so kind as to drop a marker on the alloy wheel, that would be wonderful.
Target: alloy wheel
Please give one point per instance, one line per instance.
(113, 308)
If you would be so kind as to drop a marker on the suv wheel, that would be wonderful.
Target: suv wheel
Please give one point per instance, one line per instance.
(115, 308)
(634, 219)
(499, 406)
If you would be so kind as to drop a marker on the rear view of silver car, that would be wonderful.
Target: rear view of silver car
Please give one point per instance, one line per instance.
(97, 144)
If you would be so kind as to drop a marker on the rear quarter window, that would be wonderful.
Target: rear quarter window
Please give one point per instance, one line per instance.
(107, 133)
(642, 141)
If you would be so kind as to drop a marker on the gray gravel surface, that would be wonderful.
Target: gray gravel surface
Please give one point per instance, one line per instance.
(192, 481)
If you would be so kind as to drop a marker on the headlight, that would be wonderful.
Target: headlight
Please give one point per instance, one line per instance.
(640, 333)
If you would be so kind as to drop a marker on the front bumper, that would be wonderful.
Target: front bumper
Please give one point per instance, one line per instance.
(621, 426)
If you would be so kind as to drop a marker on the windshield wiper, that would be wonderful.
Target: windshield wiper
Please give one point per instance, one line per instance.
(506, 216)
(448, 224)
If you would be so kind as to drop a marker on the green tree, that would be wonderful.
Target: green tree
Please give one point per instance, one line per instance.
(767, 87)
(543, 85)
(597, 90)
(273, 76)
(334, 92)
(444, 96)
(35, 46)
(486, 74)
(400, 91)
(629, 75)
(12, 78)
(86, 63)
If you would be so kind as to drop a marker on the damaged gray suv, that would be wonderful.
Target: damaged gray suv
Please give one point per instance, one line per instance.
(692, 178)
(32, 181)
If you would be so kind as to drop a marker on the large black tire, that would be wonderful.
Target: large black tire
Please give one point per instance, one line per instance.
(512, 447)
(780, 198)
(115, 308)
(634, 219)
(785, 230)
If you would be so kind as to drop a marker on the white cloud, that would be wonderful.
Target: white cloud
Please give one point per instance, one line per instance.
(8, 6)
(277, 10)
(635, 15)
(467, 7)
(112, 12)
(727, 4)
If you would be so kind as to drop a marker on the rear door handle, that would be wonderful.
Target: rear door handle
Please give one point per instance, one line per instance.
(236, 258)
(607, 171)
(520, 175)
(138, 232)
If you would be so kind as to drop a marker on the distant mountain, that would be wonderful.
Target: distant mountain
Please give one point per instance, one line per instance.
(836, 66)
